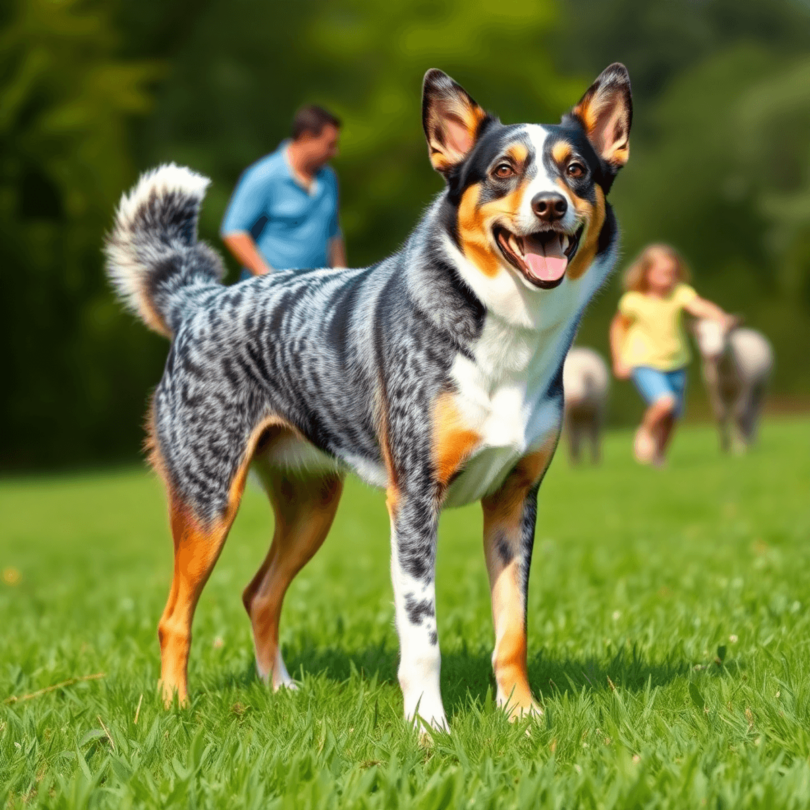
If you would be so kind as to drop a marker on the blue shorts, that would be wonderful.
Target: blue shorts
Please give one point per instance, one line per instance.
(653, 384)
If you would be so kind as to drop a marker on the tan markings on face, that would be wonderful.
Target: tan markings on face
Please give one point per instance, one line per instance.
(593, 216)
(518, 152)
(475, 226)
(560, 152)
(453, 442)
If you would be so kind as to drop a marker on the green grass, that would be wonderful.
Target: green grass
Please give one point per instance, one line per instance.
(668, 643)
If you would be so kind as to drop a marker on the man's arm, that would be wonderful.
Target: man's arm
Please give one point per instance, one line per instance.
(337, 252)
(241, 244)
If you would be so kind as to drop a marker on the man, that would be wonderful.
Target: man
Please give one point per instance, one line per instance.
(284, 212)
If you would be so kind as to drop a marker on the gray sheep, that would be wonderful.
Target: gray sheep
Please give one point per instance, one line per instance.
(737, 365)
(586, 383)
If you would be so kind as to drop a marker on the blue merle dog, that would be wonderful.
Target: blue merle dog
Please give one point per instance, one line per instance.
(435, 374)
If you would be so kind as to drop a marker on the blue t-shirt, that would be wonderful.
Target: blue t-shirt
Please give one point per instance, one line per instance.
(290, 225)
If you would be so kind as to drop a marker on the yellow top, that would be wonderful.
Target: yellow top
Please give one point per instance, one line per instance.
(655, 337)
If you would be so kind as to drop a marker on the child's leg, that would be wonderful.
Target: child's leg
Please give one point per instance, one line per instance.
(665, 430)
(656, 429)
(676, 381)
(656, 424)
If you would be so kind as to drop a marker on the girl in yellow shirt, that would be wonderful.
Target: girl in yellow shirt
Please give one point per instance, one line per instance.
(648, 344)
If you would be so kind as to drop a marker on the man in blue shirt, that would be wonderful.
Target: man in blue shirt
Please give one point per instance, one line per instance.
(283, 214)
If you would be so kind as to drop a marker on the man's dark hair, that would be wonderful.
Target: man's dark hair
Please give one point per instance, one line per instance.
(312, 118)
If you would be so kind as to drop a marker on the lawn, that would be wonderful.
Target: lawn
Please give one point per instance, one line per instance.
(669, 644)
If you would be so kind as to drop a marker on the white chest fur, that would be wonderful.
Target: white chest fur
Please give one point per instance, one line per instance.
(506, 396)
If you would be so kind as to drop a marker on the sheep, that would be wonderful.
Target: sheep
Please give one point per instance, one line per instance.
(736, 364)
(586, 383)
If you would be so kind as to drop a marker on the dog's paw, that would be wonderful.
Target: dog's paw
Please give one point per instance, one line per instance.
(427, 728)
(520, 710)
(427, 716)
(170, 693)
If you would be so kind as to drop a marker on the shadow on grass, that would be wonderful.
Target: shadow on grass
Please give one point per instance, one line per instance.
(467, 673)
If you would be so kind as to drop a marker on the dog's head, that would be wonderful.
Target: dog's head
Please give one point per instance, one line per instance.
(529, 199)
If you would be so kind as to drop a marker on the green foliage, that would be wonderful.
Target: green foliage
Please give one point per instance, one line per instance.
(667, 621)
(66, 100)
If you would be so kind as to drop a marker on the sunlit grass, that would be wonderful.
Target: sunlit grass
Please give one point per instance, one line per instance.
(669, 639)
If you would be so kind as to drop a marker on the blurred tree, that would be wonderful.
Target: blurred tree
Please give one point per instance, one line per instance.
(63, 162)
(658, 41)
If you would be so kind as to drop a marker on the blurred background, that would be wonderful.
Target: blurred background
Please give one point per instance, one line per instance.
(92, 93)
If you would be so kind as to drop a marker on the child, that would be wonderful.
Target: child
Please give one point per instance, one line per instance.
(648, 343)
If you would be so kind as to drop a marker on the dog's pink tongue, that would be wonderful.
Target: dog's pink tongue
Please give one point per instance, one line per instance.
(546, 260)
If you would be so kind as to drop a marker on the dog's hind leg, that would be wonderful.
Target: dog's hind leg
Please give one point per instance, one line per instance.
(304, 510)
(204, 491)
(509, 521)
(197, 546)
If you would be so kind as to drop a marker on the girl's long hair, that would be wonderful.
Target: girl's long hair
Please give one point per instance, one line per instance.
(635, 277)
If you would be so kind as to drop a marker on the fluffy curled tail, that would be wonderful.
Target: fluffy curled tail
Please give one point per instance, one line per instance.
(154, 260)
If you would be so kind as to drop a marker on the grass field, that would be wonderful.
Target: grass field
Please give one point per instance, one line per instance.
(669, 645)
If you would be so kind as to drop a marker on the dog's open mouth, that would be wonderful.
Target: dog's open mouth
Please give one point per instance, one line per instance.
(542, 256)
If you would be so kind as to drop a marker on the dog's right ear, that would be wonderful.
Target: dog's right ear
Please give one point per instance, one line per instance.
(451, 120)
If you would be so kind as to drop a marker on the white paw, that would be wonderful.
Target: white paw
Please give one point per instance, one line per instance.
(278, 676)
(426, 713)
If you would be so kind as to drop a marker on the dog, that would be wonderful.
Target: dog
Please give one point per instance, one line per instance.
(586, 383)
(736, 364)
(435, 374)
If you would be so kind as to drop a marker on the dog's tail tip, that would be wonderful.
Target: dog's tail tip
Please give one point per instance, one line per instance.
(160, 186)
(152, 251)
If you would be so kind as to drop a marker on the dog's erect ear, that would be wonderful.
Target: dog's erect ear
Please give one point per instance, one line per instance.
(451, 120)
(606, 113)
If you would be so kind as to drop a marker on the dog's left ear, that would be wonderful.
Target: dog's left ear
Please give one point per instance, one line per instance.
(451, 120)
(606, 113)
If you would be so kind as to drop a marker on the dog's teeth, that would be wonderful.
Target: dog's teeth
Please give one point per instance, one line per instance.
(564, 241)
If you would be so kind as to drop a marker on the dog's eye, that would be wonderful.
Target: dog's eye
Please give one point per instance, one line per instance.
(575, 170)
(503, 170)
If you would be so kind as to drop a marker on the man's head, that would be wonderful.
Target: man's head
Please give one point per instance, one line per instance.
(315, 133)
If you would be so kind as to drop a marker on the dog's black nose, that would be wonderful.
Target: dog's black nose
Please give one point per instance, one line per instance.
(549, 206)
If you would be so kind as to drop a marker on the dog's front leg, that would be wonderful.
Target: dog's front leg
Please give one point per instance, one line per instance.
(414, 520)
(509, 519)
